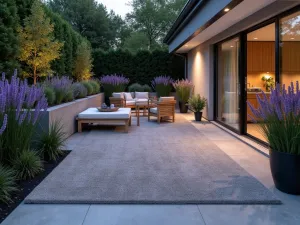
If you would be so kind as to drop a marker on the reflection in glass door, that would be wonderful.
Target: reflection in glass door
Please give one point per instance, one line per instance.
(228, 83)
(260, 71)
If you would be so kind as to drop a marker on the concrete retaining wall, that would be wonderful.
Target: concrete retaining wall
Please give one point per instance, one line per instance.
(66, 113)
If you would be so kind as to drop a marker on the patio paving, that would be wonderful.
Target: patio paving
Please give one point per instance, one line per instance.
(253, 162)
(155, 163)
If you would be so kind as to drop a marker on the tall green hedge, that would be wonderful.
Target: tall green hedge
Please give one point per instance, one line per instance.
(141, 67)
(64, 32)
(13, 13)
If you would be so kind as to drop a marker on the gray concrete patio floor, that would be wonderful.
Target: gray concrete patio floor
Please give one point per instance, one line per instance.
(255, 163)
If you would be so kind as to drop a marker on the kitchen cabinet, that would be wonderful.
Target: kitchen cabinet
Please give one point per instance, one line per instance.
(260, 56)
(290, 56)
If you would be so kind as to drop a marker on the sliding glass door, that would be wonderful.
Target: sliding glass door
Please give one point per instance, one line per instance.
(228, 84)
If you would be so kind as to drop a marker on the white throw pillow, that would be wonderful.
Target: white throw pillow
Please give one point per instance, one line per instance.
(142, 95)
(128, 96)
(118, 95)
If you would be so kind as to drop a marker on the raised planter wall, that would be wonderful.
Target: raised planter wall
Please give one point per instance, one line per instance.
(66, 113)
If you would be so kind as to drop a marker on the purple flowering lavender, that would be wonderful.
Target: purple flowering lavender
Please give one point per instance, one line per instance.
(57, 82)
(4, 124)
(62, 87)
(113, 83)
(114, 80)
(164, 80)
(18, 101)
(162, 85)
(279, 117)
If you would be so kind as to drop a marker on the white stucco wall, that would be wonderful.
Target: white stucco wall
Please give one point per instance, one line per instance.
(200, 72)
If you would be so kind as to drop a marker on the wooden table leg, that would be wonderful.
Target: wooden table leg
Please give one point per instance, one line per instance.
(138, 115)
(79, 126)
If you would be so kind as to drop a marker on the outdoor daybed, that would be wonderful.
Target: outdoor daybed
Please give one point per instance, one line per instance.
(122, 117)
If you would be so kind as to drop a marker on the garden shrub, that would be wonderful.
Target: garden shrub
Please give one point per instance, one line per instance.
(27, 165)
(60, 95)
(69, 95)
(50, 95)
(51, 143)
(7, 184)
(79, 90)
(96, 86)
(88, 87)
(147, 88)
(141, 67)
(135, 87)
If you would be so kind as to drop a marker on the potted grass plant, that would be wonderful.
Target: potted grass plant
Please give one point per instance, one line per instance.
(279, 120)
(113, 83)
(196, 103)
(162, 85)
(183, 88)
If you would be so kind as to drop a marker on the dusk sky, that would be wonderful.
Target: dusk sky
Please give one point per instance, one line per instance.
(119, 6)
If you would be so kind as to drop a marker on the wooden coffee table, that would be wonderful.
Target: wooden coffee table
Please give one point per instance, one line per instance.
(141, 105)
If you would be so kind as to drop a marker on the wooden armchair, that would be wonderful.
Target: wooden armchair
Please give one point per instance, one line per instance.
(118, 102)
(164, 108)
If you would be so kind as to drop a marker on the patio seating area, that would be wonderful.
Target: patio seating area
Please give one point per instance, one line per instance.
(139, 153)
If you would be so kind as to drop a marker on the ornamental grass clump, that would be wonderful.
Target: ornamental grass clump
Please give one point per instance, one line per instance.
(183, 88)
(113, 83)
(27, 165)
(21, 106)
(51, 143)
(7, 184)
(162, 85)
(279, 118)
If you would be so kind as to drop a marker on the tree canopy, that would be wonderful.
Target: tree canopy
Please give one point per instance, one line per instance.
(106, 30)
(37, 44)
(154, 17)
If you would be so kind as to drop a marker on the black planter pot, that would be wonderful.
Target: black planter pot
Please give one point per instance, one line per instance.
(285, 169)
(198, 116)
(183, 107)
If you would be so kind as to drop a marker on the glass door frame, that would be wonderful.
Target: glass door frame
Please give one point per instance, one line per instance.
(240, 79)
(275, 21)
(242, 70)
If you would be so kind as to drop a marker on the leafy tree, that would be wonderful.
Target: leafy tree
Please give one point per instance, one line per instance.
(119, 29)
(83, 62)
(8, 41)
(154, 17)
(89, 18)
(37, 44)
(137, 41)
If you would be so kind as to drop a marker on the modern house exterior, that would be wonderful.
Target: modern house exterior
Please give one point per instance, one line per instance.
(235, 49)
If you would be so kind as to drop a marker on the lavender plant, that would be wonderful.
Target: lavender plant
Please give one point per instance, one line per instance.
(113, 83)
(183, 89)
(162, 85)
(62, 87)
(79, 90)
(279, 118)
(21, 106)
